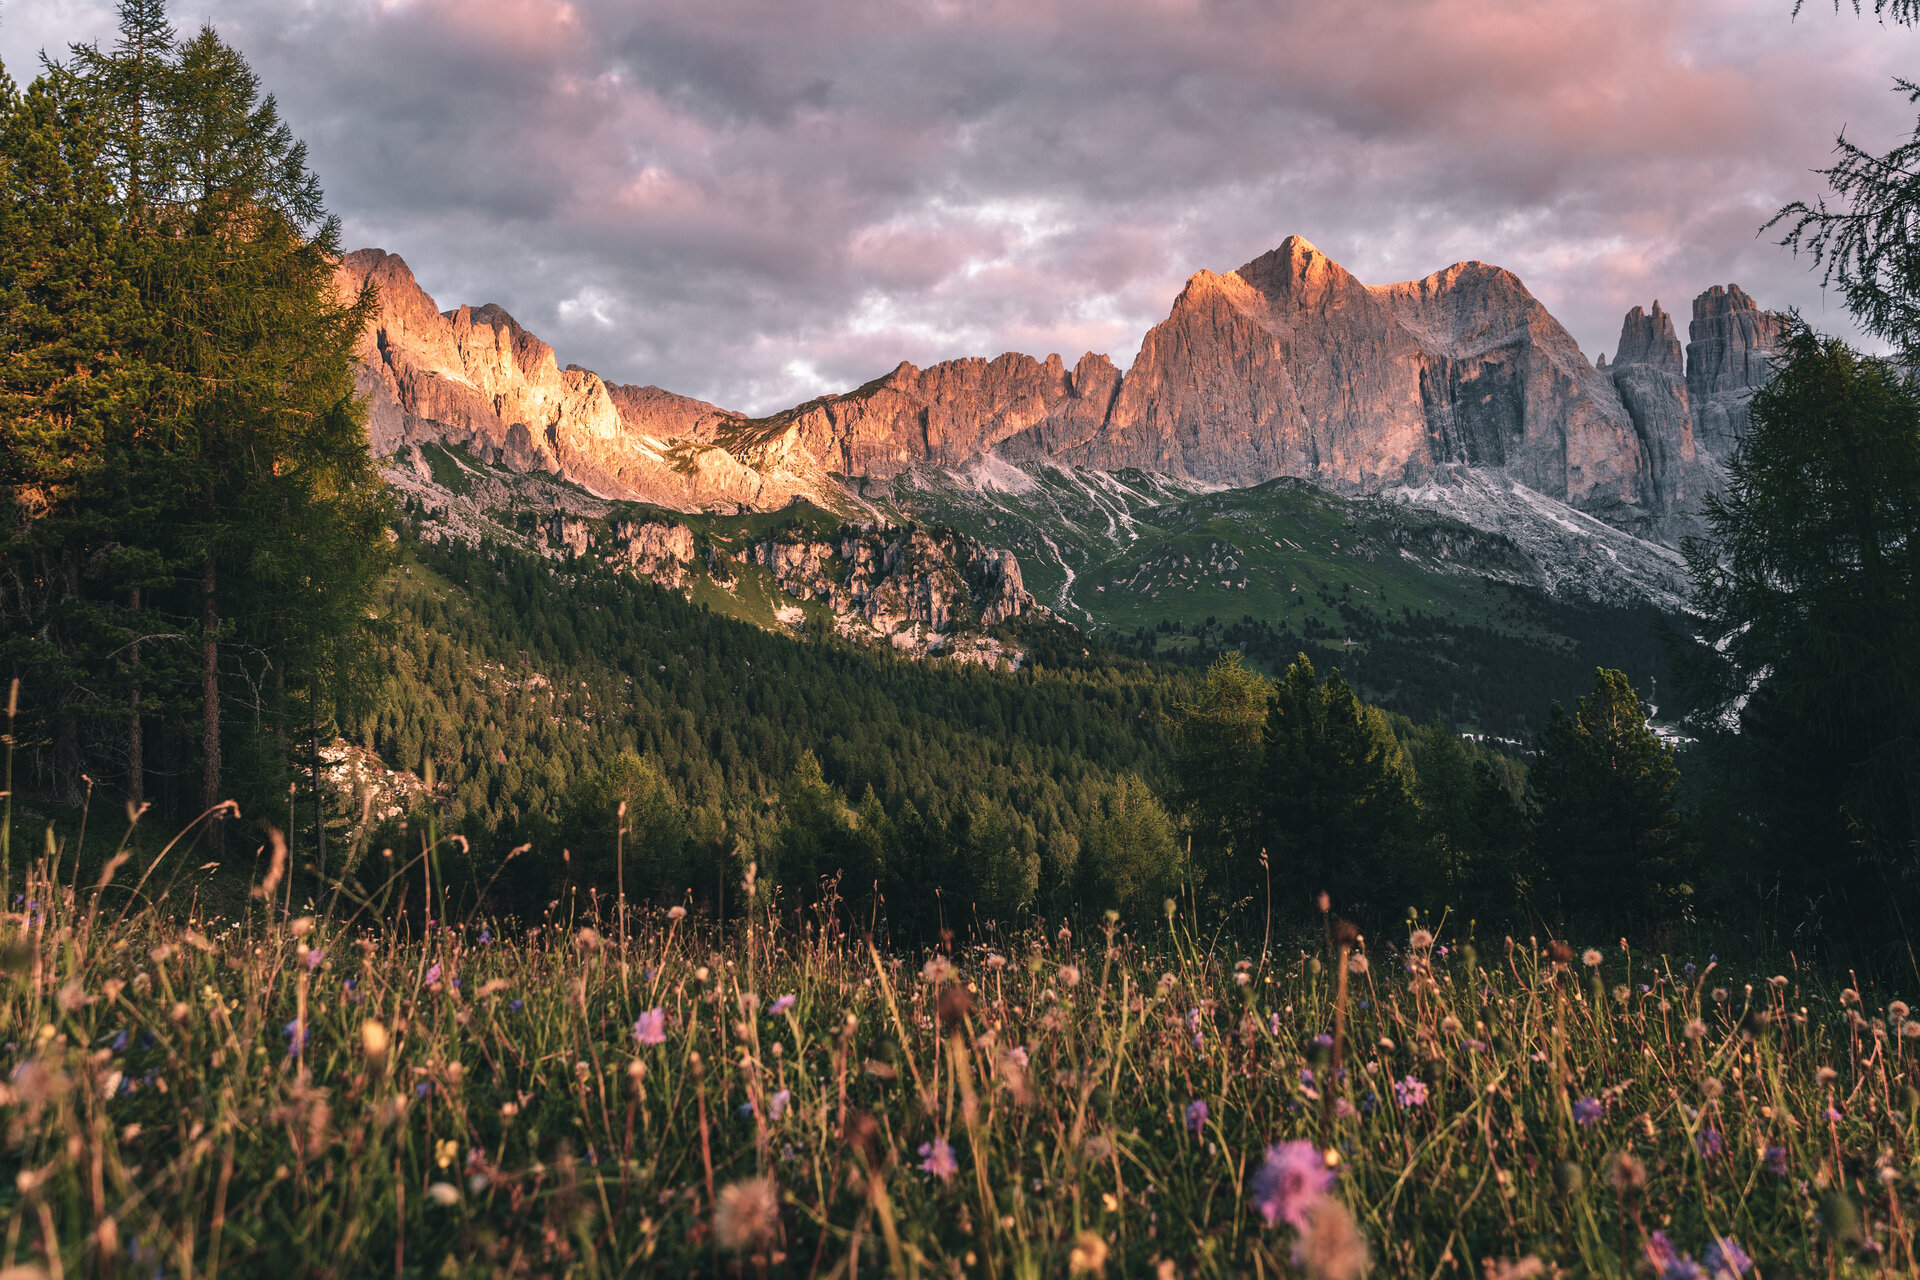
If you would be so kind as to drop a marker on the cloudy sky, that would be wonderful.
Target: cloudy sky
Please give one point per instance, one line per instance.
(756, 201)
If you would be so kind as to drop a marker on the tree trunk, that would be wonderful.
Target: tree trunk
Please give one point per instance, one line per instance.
(136, 748)
(210, 696)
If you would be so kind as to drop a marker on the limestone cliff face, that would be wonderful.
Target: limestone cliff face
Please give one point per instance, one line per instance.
(1646, 372)
(892, 580)
(1731, 344)
(1292, 367)
(1690, 418)
(926, 591)
(949, 413)
(473, 377)
(1287, 367)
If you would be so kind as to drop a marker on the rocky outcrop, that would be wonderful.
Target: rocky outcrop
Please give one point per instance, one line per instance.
(1648, 338)
(949, 413)
(475, 379)
(1690, 417)
(1729, 356)
(654, 549)
(894, 581)
(1292, 367)
(1647, 375)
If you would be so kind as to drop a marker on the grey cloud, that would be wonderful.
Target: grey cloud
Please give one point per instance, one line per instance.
(757, 200)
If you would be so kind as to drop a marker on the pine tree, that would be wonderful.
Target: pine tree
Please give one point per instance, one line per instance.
(1219, 746)
(1336, 802)
(1809, 591)
(1128, 859)
(70, 379)
(1609, 839)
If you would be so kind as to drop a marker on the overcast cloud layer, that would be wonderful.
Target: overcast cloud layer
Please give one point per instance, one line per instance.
(757, 201)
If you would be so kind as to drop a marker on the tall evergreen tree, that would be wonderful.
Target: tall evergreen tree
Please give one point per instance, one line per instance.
(186, 479)
(1336, 802)
(1809, 589)
(1609, 839)
(1475, 830)
(1219, 746)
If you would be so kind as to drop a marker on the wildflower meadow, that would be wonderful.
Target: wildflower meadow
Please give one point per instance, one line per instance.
(335, 1092)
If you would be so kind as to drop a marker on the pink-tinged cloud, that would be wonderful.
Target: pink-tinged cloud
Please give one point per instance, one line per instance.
(757, 200)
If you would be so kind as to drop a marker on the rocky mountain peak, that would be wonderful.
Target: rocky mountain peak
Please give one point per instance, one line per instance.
(1648, 337)
(1731, 342)
(1289, 366)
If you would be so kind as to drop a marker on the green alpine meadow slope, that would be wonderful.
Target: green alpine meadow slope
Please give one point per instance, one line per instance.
(1428, 615)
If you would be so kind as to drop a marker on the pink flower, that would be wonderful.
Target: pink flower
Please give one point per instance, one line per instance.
(1289, 1180)
(938, 1159)
(652, 1027)
(781, 1005)
(1196, 1115)
(1410, 1092)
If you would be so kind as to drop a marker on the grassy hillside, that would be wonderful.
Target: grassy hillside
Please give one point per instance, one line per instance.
(1428, 616)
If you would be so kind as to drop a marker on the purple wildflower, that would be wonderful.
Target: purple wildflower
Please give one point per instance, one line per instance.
(1833, 1115)
(1018, 1055)
(1273, 1024)
(1710, 1143)
(1196, 1116)
(1684, 1269)
(777, 1104)
(652, 1027)
(486, 936)
(1288, 1182)
(422, 1089)
(781, 1005)
(120, 1042)
(1323, 1041)
(1660, 1251)
(1777, 1161)
(515, 1006)
(316, 958)
(1588, 1110)
(938, 1159)
(1725, 1257)
(296, 1037)
(433, 974)
(1410, 1092)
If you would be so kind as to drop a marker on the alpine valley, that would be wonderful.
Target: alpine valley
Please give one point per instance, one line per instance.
(1426, 484)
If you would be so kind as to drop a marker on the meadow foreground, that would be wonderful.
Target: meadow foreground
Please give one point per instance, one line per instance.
(653, 1095)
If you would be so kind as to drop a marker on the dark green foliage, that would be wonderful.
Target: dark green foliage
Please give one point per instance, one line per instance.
(1337, 810)
(1498, 681)
(515, 677)
(1811, 625)
(1473, 824)
(1130, 860)
(1220, 742)
(192, 525)
(1608, 842)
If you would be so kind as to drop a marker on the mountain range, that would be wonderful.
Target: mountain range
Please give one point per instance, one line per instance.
(1427, 483)
(1287, 367)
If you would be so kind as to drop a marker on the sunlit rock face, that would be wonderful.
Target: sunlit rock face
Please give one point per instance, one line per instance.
(1292, 367)
(1289, 366)
(474, 378)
